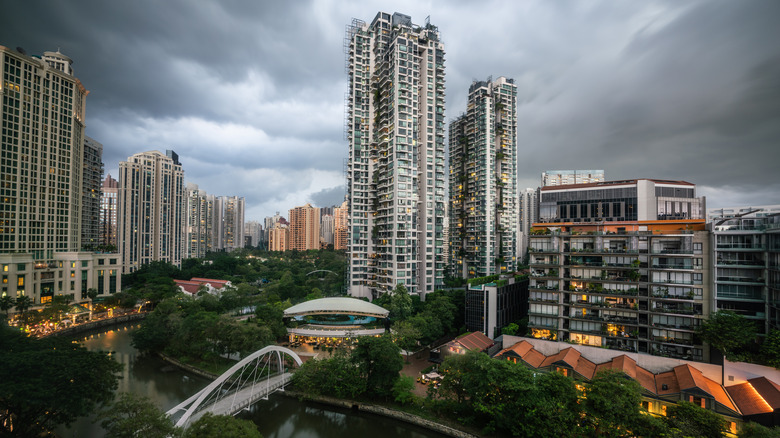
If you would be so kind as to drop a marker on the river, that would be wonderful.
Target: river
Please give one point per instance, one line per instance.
(277, 417)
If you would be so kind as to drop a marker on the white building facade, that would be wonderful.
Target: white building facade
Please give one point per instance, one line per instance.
(395, 175)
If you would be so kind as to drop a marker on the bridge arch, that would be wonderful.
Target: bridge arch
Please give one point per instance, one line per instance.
(195, 401)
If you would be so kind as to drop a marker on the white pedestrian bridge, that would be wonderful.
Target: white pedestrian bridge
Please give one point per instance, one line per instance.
(253, 378)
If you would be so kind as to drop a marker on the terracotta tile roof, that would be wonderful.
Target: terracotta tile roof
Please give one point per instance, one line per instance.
(190, 287)
(534, 358)
(585, 368)
(519, 348)
(769, 390)
(748, 399)
(474, 341)
(689, 377)
(646, 379)
(568, 356)
(216, 284)
(670, 380)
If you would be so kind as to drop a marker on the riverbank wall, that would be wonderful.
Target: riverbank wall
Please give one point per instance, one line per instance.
(99, 324)
(384, 411)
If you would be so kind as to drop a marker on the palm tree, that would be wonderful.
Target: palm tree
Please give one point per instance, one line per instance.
(6, 303)
(23, 304)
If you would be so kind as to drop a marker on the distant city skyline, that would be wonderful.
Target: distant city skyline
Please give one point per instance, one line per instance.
(256, 91)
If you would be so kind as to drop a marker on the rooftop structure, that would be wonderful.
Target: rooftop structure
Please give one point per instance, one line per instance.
(339, 317)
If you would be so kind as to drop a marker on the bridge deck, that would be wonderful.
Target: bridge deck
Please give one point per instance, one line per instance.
(239, 400)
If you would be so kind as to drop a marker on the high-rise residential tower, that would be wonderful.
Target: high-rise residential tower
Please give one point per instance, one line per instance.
(483, 181)
(42, 171)
(151, 209)
(108, 208)
(340, 223)
(395, 174)
(229, 223)
(305, 228)
(198, 230)
(528, 214)
(90, 198)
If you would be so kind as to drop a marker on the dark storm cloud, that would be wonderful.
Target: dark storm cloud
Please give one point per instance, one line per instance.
(329, 197)
(251, 94)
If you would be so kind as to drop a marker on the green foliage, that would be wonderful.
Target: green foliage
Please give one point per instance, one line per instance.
(612, 403)
(755, 430)
(131, 416)
(689, 419)
(729, 332)
(47, 382)
(504, 398)
(406, 335)
(510, 330)
(336, 376)
(483, 280)
(770, 349)
(379, 363)
(6, 303)
(402, 389)
(400, 305)
(223, 426)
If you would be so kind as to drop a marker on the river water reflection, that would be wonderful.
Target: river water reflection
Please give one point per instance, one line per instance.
(277, 417)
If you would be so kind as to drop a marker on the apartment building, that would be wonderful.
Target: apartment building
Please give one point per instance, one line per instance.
(340, 223)
(621, 265)
(199, 228)
(42, 185)
(528, 214)
(746, 265)
(108, 209)
(151, 209)
(90, 197)
(229, 223)
(483, 181)
(305, 228)
(395, 173)
(279, 237)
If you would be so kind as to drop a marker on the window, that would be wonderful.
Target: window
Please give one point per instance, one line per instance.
(697, 278)
(697, 248)
(20, 266)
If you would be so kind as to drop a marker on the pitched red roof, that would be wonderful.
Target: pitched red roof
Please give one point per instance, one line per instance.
(474, 341)
(216, 284)
(689, 377)
(748, 399)
(190, 287)
(769, 390)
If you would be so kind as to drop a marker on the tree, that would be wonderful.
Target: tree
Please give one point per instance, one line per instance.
(728, 332)
(755, 430)
(406, 335)
(223, 426)
(400, 303)
(51, 381)
(131, 416)
(23, 303)
(402, 389)
(510, 330)
(6, 303)
(692, 420)
(379, 363)
(770, 349)
(612, 403)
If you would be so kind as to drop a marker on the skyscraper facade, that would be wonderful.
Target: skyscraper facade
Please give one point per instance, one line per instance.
(483, 181)
(395, 128)
(42, 173)
(254, 230)
(108, 208)
(151, 209)
(528, 213)
(199, 222)
(305, 228)
(231, 224)
(326, 229)
(341, 222)
(90, 197)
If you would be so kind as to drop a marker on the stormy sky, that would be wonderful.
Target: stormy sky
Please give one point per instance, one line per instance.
(250, 94)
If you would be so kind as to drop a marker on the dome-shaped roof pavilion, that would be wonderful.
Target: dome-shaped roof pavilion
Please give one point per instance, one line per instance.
(343, 305)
